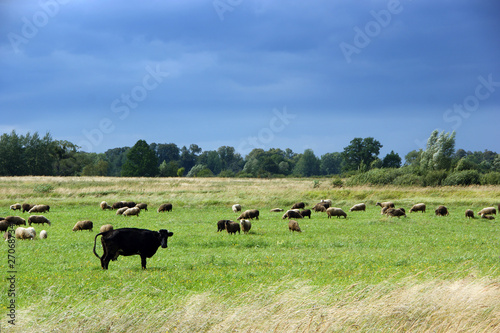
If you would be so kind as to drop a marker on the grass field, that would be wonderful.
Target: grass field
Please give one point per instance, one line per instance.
(366, 273)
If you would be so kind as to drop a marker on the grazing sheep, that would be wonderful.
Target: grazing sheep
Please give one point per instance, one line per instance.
(83, 225)
(39, 219)
(489, 217)
(130, 204)
(120, 211)
(487, 211)
(442, 211)
(118, 205)
(293, 226)
(7, 235)
(106, 227)
(384, 210)
(298, 205)
(15, 220)
(276, 210)
(4, 225)
(166, 207)
(326, 201)
(27, 207)
(25, 233)
(389, 204)
(232, 227)
(15, 206)
(306, 212)
(333, 211)
(469, 213)
(236, 208)
(246, 225)
(43, 234)
(357, 208)
(420, 207)
(142, 206)
(39, 209)
(104, 205)
(221, 225)
(292, 214)
(132, 211)
(320, 207)
(392, 212)
(249, 214)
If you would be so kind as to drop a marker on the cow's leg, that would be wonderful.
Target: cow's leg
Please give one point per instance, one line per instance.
(143, 262)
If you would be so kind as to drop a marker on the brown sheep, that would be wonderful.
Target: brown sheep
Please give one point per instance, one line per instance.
(38, 219)
(129, 204)
(420, 207)
(293, 226)
(292, 214)
(15, 220)
(25, 233)
(489, 217)
(120, 211)
(358, 207)
(142, 206)
(298, 205)
(221, 225)
(246, 225)
(249, 214)
(487, 211)
(104, 205)
(327, 202)
(232, 227)
(166, 207)
(276, 210)
(320, 207)
(469, 213)
(4, 225)
(392, 212)
(333, 211)
(15, 206)
(118, 205)
(27, 207)
(83, 225)
(236, 208)
(442, 211)
(39, 209)
(106, 227)
(306, 212)
(132, 211)
(43, 234)
(389, 204)
(384, 210)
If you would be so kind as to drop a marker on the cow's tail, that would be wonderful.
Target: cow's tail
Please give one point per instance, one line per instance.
(95, 240)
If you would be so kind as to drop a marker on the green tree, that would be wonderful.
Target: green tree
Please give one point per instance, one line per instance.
(331, 164)
(439, 152)
(141, 161)
(307, 165)
(360, 153)
(168, 169)
(391, 160)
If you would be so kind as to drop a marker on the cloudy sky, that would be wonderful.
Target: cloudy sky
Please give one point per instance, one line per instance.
(252, 73)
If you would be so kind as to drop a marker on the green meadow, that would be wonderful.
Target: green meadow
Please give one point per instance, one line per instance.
(366, 273)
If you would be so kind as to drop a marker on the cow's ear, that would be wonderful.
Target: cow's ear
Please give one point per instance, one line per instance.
(170, 234)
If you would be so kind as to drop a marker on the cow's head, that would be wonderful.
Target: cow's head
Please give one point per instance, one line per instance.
(164, 234)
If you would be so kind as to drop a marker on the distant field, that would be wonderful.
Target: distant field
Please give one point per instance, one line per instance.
(368, 272)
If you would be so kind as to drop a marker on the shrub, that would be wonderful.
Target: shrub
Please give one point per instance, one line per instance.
(316, 183)
(408, 180)
(466, 177)
(434, 178)
(337, 182)
(43, 188)
(375, 177)
(226, 173)
(491, 178)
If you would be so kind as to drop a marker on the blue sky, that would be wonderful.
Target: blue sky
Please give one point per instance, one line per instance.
(252, 73)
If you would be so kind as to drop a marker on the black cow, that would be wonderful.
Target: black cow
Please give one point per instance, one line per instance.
(131, 241)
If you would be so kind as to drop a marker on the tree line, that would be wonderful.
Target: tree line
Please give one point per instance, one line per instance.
(32, 154)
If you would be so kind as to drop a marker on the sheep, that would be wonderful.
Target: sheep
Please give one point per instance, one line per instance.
(142, 206)
(118, 205)
(420, 207)
(7, 235)
(236, 208)
(396, 212)
(384, 210)
(15, 206)
(326, 201)
(298, 205)
(333, 211)
(25, 233)
(15, 220)
(442, 211)
(27, 207)
(130, 204)
(166, 207)
(4, 225)
(249, 214)
(276, 210)
(389, 204)
(38, 219)
(39, 209)
(246, 225)
(320, 207)
(105, 227)
(43, 234)
(104, 205)
(83, 225)
(489, 217)
(292, 214)
(293, 226)
(487, 211)
(120, 211)
(306, 212)
(469, 213)
(232, 227)
(221, 225)
(132, 211)
(358, 207)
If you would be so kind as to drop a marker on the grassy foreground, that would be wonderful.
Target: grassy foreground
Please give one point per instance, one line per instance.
(368, 273)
